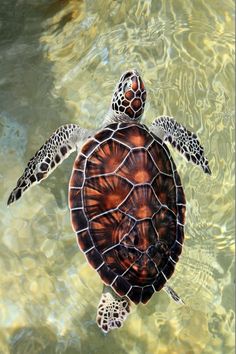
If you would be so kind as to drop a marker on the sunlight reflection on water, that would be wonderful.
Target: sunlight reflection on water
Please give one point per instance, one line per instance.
(59, 65)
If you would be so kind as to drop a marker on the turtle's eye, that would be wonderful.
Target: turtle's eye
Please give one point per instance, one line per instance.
(127, 85)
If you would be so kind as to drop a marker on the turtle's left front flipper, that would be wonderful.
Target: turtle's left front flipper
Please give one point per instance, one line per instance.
(187, 143)
(55, 150)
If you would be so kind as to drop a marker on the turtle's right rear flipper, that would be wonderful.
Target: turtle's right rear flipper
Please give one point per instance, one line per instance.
(173, 295)
(56, 149)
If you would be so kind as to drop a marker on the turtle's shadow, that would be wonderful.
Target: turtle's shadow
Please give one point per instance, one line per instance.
(28, 95)
(86, 338)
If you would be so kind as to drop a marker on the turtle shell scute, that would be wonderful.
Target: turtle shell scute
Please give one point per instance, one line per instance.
(88, 147)
(132, 170)
(113, 224)
(106, 158)
(133, 136)
(141, 203)
(127, 208)
(160, 158)
(103, 135)
(84, 240)
(104, 193)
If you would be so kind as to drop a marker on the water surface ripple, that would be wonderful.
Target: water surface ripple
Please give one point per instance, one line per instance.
(59, 62)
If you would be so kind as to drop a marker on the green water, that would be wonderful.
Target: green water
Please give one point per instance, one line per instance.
(59, 62)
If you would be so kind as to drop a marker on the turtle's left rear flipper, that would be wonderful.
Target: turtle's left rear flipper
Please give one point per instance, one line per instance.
(55, 150)
(112, 310)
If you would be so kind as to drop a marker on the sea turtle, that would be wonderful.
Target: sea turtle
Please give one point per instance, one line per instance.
(126, 201)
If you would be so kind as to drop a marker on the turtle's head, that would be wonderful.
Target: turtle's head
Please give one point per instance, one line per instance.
(129, 98)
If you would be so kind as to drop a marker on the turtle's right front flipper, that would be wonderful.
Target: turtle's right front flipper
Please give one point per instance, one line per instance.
(55, 150)
(188, 144)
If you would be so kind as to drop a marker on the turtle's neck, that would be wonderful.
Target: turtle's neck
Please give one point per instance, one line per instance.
(112, 117)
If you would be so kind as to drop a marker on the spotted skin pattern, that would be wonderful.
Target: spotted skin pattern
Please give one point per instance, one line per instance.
(112, 311)
(182, 139)
(56, 149)
(127, 224)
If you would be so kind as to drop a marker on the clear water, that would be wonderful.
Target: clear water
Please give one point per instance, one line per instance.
(59, 62)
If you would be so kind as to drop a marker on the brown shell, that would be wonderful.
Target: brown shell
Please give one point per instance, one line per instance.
(127, 208)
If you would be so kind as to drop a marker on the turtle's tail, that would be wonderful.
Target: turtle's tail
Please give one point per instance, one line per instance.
(112, 310)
